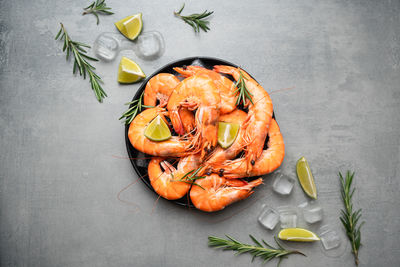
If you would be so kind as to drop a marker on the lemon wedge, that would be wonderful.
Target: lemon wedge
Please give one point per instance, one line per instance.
(306, 178)
(130, 26)
(129, 71)
(157, 130)
(297, 234)
(227, 133)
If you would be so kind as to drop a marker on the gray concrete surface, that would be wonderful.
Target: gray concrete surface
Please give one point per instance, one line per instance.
(63, 165)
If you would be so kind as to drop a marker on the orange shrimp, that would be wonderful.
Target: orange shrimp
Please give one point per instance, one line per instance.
(171, 147)
(270, 159)
(217, 192)
(160, 88)
(199, 93)
(188, 120)
(260, 114)
(225, 86)
(167, 183)
(220, 155)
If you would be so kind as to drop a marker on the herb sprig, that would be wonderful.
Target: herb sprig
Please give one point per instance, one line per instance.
(78, 50)
(136, 108)
(191, 176)
(242, 92)
(266, 252)
(349, 218)
(196, 21)
(96, 8)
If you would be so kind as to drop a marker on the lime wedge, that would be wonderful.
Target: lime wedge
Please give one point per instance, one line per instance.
(297, 234)
(157, 130)
(130, 26)
(227, 133)
(306, 178)
(129, 71)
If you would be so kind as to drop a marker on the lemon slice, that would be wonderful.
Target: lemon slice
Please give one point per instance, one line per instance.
(306, 178)
(129, 71)
(130, 26)
(157, 130)
(227, 133)
(297, 234)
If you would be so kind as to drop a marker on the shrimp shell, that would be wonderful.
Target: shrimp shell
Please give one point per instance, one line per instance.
(198, 93)
(260, 114)
(225, 86)
(269, 161)
(174, 146)
(167, 183)
(214, 193)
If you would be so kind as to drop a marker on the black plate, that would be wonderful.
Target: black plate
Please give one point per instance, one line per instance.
(140, 160)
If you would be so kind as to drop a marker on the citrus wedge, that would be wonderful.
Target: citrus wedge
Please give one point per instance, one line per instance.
(129, 71)
(130, 26)
(297, 234)
(157, 130)
(227, 133)
(306, 178)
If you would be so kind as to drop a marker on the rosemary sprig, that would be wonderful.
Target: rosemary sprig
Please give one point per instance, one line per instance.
(350, 218)
(81, 63)
(266, 252)
(196, 21)
(242, 92)
(136, 108)
(96, 8)
(191, 176)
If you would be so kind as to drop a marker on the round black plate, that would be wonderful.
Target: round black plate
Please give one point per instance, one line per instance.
(140, 160)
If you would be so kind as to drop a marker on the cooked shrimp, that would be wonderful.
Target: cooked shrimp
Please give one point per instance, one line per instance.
(260, 114)
(199, 93)
(225, 86)
(171, 147)
(217, 192)
(167, 183)
(160, 88)
(270, 159)
(220, 155)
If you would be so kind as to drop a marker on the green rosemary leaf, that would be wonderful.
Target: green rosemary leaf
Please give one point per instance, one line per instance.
(80, 62)
(180, 10)
(349, 218)
(196, 21)
(135, 108)
(242, 93)
(255, 241)
(90, 58)
(193, 183)
(58, 34)
(96, 8)
(257, 250)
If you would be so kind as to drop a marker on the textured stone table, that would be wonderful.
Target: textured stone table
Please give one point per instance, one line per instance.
(63, 164)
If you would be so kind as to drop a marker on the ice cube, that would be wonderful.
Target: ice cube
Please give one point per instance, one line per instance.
(283, 184)
(312, 212)
(106, 46)
(141, 160)
(288, 217)
(268, 218)
(330, 239)
(149, 45)
(198, 62)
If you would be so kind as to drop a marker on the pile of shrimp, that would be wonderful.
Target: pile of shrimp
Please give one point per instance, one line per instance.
(213, 177)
